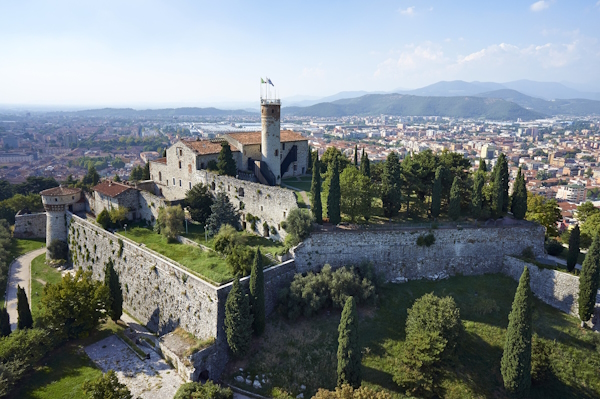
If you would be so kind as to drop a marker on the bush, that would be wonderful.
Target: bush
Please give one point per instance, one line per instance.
(170, 221)
(118, 216)
(298, 224)
(209, 390)
(239, 260)
(347, 392)
(541, 368)
(106, 386)
(313, 292)
(58, 250)
(104, 219)
(426, 240)
(199, 200)
(528, 254)
(554, 248)
(227, 238)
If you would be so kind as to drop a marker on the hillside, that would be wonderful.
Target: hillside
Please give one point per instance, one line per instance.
(409, 105)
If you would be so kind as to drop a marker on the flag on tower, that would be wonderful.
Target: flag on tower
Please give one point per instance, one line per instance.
(262, 80)
(269, 82)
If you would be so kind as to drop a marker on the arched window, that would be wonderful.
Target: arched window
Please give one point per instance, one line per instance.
(212, 185)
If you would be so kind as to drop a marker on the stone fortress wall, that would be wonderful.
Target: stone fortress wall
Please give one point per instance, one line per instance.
(30, 225)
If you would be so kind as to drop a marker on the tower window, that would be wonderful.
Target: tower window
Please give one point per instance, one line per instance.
(159, 176)
(173, 181)
(282, 146)
(179, 183)
(276, 153)
(241, 192)
(179, 164)
(190, 185)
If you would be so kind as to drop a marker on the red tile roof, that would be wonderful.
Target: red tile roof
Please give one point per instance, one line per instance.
(205, 147)
(60, 190)
(248, 138)
(160, 160)
(111, 188)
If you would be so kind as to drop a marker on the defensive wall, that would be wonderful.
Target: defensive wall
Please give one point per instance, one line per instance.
(30, 225)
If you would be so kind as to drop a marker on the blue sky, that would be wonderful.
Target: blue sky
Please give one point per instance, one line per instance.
(197, 52)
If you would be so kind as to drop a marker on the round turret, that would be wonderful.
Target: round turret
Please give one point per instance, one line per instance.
(270, 137)
(56, 202)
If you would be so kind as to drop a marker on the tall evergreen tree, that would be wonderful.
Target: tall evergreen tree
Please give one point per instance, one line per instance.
(315, 191)
(516, 359)
(436, 193)
(25, 320)
(573, 255)
(257, 294)
(164, 153)
(226, 164)
(503, 180)
(4, 322)
(365, 164)
(454, 209)
(238, 320)
(589, 280)
(349, 353)
(111, 281)
(146, 172)
(482, 165)
(334, 196)
(391, 185)
(477, 197)
(519, 197)
(356, 155)
(497, 191)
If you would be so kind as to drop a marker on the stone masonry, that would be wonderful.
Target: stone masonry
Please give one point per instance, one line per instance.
(31, 225)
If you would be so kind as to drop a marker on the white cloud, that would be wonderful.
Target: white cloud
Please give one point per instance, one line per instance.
(409, 11)
(539, 5)
(312, 72)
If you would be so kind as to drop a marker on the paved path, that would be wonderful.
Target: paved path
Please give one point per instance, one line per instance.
(19, 274)
(561, 261)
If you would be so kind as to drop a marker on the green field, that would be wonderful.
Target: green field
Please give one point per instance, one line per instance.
(41, 274)
(20, 247)
(304, 351)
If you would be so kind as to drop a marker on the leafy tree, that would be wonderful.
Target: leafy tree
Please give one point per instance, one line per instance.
(4, 322)
(516, 359)
(586, 210)
(208, 390)
(6, 189)
(136, 174)
(114, 304)
(519, 197)
(170, 221)
(118, 216)
(391, 185)
(238, 320)
(347, 392)
(349, 352)
(436, 193)
(365, 164)
(330, 155)
(227, 238)
(58, 249)
(107, 386)
(333, 198)
(298, 224)
(117, 163)
(573, 254)
(221, 212)
(199, 200)
(226, 164)
(91, 178)
(454, 210)
(482, 165)
(104, 219)
(25, 320)
(477, 197)
(356, 194)
(239, 260)
(589, 280)
(315, 190)
(59, 313)
(117, 178)
(545, 212)
(257, 294)
(70, 182)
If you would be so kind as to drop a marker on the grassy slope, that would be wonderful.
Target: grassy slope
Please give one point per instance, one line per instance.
(40, 274)
(18, 248)
(304, 352)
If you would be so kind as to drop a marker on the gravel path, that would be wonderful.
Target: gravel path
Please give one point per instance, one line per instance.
(19, 274)
(146, 379)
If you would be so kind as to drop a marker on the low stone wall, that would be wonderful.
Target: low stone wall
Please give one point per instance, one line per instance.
(395, 253)
(32, 225)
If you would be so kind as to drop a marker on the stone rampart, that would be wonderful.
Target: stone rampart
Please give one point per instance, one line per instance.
(31, 225)
(396, 255)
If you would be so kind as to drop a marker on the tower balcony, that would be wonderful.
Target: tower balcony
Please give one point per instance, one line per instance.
(270, 101)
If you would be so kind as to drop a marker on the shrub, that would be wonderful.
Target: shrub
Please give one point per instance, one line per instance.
(426, 240)
(104, 219)
(554, 247)
(528, 254)
(118, 216)
(227, 238)
(199, 200)
(58, 250)
(106, 386)
(541, 368)
(209, 390)
(239, 260)
(298, 224)
(347, 392)
(170, 221)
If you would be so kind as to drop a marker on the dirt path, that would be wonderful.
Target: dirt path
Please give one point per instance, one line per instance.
(19, 274)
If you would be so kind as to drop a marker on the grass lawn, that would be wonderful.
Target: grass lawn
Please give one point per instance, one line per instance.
(61, 373)
(41, 274)
(19, 247)
(304, 351)
(565, 252)
(299, 185)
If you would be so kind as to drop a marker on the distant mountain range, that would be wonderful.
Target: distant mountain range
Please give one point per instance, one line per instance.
(154, 113)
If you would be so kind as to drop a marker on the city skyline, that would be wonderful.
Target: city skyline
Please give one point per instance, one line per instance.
(159, 53)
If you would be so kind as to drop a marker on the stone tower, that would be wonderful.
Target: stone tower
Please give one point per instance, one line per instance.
(57, 201)
(270, 110)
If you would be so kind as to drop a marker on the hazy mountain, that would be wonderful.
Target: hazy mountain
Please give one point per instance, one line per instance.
(454, 88)
(575, 107)
(407, 105)
(339, 96)
(154, 113)
(549, 90)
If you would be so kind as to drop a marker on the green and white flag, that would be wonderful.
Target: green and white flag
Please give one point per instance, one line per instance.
(262, 80)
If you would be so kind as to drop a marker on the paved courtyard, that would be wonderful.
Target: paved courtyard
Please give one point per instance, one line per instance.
(146, 379)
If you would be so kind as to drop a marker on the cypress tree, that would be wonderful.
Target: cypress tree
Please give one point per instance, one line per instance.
(333, 199)
(164, 153)
(477, 198)
(497, 192)
(573, 255)
(315, 191)
(257, 294)
(4, 323)
(25, 320)
(588, 281)
(356, 156)
(365, 164)
(454, 209)
(238, 320)
(503, 180)
(482, 165)
(436, 193)
(111, 281)
(349, 354)
(519, 197)
(226, 164)
(391, 185)
(516, 359)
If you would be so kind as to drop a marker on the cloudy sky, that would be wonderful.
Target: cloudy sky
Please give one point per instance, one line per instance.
(195, 52)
